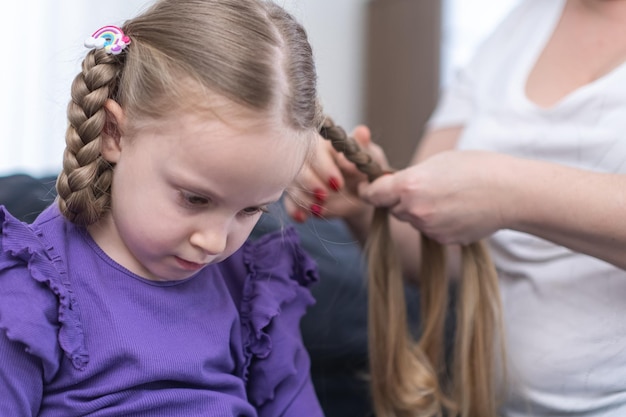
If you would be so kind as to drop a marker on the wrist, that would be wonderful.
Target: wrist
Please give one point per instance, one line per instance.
(531, 188)
(513, 192)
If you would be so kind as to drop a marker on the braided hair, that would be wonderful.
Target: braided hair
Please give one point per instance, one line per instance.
(410, 378)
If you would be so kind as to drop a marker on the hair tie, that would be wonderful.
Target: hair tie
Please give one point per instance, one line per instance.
(111, 38)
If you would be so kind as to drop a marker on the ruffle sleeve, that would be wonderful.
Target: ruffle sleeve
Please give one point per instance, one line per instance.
(275, 297)
(37, 307)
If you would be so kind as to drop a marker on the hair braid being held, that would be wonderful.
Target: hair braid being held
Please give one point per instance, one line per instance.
(409, 378)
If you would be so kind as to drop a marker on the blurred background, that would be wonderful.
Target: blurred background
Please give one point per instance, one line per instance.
(380, 62)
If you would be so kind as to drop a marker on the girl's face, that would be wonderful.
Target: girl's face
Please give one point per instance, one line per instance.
(188, 189)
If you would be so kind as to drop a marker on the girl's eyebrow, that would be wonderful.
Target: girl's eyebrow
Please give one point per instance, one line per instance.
(270, 202)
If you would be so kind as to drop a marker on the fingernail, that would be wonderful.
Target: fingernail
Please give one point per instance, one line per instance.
(320, 195)
(299, 216)
(333, 183)
(316, 210)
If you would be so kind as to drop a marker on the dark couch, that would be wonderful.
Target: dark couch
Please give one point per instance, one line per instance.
(25, 196)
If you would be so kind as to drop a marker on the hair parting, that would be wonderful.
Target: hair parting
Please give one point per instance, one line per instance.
(410, 378)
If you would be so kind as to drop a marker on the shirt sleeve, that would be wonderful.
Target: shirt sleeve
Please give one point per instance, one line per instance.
(36, 318)
(457, 100)
(454, 107)
(21, 380)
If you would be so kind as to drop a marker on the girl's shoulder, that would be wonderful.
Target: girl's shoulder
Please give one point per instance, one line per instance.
(269, 280)
(275, 260)
(35, 296)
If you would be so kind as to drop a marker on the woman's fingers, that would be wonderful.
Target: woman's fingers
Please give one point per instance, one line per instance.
(382, 192)
(306, 196)
(327, 184)
(319, 177)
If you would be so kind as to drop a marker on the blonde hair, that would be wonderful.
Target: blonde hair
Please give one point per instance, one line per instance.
(411, 378)
(250, 51)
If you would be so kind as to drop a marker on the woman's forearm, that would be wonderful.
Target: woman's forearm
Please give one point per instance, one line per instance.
(582, 210)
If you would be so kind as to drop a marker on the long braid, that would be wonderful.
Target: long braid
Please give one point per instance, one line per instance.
(408, 378)
(342, 143)
(84, 184)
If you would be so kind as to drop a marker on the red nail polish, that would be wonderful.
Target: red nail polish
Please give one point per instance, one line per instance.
(299, 217)
(320, 195)
(333, 183)
(316, 210)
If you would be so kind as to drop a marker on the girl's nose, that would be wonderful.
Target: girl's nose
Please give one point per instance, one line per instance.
(212, 242)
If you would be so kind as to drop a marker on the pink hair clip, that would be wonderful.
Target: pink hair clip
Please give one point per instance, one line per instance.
(111, 38)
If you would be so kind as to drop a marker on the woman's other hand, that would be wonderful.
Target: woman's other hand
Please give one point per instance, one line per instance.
(328, 185)
(452, 197)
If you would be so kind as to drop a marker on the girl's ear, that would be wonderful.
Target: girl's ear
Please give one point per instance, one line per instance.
(111, 144)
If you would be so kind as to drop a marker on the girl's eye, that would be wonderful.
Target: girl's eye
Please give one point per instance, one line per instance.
(251, 211)
(194, 200)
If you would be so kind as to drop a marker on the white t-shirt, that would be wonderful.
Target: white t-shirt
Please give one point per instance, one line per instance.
(564, 312)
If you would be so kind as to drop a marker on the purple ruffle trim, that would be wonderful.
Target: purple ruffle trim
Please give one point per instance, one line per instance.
(22, 245)
(279, 272)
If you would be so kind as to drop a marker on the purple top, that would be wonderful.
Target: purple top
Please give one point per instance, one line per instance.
(80, 335)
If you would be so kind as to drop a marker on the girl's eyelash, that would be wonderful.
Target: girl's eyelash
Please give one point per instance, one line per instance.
(193, 200)
(251, 211)
(196, 201)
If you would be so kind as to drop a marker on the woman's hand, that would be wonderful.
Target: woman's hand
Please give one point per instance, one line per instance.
(328, 185)
(453, 196)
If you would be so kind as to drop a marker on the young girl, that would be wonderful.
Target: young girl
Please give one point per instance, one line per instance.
(135, 294)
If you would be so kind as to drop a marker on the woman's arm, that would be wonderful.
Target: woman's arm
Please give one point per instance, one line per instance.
(582, 210)
(464, 196)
